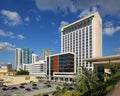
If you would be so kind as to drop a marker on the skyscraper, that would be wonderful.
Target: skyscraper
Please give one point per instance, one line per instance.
(26, 56)
(84, 38)
(46, 52)
(18, 58)
(22, 56)
(35, 58)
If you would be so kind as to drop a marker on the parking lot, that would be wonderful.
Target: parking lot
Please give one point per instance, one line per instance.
(26, 89)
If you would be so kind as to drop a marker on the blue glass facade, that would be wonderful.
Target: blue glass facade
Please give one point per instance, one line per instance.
(26, 55)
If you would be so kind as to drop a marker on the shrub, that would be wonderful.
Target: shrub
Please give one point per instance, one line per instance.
(72, 93)
(22, 72)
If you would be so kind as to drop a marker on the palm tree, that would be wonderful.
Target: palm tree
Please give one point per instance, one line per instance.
(86, 81)
(113, 68)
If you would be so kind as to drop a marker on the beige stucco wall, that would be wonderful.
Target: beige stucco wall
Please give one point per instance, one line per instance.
(3, 74)
(97, 35)
(15, 80)
(4, 69)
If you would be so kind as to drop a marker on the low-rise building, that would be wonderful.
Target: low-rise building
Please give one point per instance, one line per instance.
(3, 69)
(36, 69)
(3, 74)
(61, 67)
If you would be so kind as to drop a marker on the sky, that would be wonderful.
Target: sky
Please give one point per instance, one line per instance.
(36, 24)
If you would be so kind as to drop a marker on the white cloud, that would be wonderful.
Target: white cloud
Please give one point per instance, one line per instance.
(6, 46)
(20, 36)
(78, 5)
(108, 24)
(27, 19)
(117, 51)
(55, 5)
(86, 12)
(38, 18)
(62, 24)
(109, 29)
(11, 18)
(10, 35)
(110, 6)
(6, 34)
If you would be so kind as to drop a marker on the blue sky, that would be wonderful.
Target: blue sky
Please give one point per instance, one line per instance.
(36, 24)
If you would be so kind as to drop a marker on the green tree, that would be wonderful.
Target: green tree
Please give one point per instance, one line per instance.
(109, 83)
(65, 89)
(113, 68)
(86, 81)
(22, 72)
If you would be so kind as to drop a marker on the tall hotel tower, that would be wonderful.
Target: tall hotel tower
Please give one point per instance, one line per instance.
(84, 38)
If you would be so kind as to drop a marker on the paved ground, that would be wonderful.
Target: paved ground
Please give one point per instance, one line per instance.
(22, 92)
(115, 91)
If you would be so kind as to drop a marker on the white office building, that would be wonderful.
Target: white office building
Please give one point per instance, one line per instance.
(18, 59)
(35, 58)
(37, 68)
(24, 56)
(84, 38)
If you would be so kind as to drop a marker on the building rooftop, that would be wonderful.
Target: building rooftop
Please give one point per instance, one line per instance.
(84, 18)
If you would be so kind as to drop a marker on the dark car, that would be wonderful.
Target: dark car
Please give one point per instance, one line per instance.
(70, 88)
(48, 85)
(34, 84)
(35, 88)
(5, 88)
(14, 88)
(45, 83)
(28, 89)
(53, 94)
(22, 86)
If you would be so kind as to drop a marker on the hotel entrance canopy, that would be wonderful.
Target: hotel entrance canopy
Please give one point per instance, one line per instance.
(104, 58)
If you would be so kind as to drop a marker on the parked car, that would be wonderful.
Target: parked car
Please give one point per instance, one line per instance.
(21, 86)
(35, 88)
(12, 88)
(5, 88)
(45, 83)
(34, 84)
(28, 89)
(48, 85)
(53, 94)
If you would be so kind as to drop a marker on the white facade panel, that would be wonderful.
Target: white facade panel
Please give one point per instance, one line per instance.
(85, 39)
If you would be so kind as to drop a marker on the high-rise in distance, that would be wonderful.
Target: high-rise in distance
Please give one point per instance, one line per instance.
(18, 60)
(84, 38)
(46, 52)
(26, 55)
(22, 56)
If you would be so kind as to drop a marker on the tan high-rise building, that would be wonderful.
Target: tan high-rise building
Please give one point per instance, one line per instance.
(46, 52)
(83, 37)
